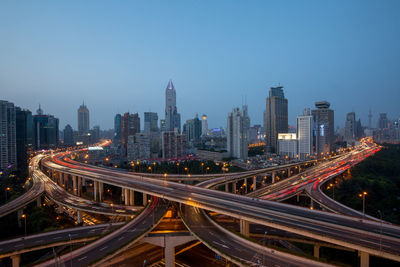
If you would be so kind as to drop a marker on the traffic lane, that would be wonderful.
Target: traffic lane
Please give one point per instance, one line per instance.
(131, 233)
(53, 237)
(229, 245)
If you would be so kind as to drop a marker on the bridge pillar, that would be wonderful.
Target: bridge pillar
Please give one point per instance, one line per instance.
(298, 197)
(132, 198)
(39, 201)
(364, 259)
(288, 172)
(79, 216)
(144, 199)
(95, 190)
(273, 176)
(101, 190)
(79, 186)
(126, 195)
(234, 187)
(16, 260)
(244, 227)
(227, 187)
(312, 204)
(65, 180)
(254, 183)
(245, 188)
(74, 185)
(316, 251)
(19, 214)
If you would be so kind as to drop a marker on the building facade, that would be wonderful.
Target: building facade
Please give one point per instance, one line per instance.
(350, 127)
(287, 145)
(324, 125)
(204, 125)
(24, 136)
(138, 146)
(173, 145)
(276, 117)
(8, 142)
(237, 133)
(172, 117)
(130, 125)
(83, 120)
(305, 128)
(68, 135)
(150, 122)
(45, 128)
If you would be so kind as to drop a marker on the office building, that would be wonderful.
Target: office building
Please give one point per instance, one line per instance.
(276, 117)
(172, 117)
(324, 125)
(350, 127)
(130, 125)
(8, 142)
(24, 136)
(204, 125)
(83, 120)
(138, 146)
(192, 130)
(68, 136)
(287, 145)
(150, 122)
(173, 145)
(45, 128)
(305, 134)
(237, 133)
(117, 130)
(383, 122)
(95, 134)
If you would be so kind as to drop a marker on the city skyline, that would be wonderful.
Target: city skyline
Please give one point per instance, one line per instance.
(211, 52)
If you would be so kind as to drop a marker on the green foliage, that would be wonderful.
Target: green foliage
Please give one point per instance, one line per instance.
(379, 176)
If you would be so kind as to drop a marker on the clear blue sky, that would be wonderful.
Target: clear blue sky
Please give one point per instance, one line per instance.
(119, 55)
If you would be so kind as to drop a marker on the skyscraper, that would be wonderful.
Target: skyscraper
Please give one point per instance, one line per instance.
(150, 122)
(383, 122)
(172, 117)
(130, 125)
(83, 120)
(8, 145)
(350, 127)
(237, 133)
(204, 125)
(324, 125)
(68, 135)
(305, 134)
(24, 136)
(117, 129)
(173, 145)
(192, 130)
(276, 117)
(45, 128)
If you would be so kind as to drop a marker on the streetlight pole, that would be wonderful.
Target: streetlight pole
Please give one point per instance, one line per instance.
(363, 194)
(24, 217)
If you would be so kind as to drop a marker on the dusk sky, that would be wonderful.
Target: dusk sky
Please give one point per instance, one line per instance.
(118, 56)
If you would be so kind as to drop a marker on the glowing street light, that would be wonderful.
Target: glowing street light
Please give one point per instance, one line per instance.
(363, 194)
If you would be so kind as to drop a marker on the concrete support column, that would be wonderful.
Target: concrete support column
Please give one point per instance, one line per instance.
(254, 183)
(227, 187)
(273, 176)
(16, 260)
(74, 185)
(298, 197)
(39, 201)
(101, 190)
(234, 187)
(132, 198)
(123, 194)
(79, 215)
(312, 204)
(245, 188)
(169, 252)
(364, 259)
(126, 196)
(316, 251)
(144, 199)
(244, 227)
(65, 180)
(19, 214)
(79, 186)
(95, 190)
(288, 172)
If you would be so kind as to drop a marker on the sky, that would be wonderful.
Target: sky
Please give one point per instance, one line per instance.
(118, 56)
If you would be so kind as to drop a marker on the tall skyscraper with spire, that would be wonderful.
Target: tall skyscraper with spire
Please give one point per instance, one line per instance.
(172, 117)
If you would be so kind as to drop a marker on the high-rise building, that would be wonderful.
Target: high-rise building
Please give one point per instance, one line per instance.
(68, 135)
(204, 125)
(237, 133)
(324, 125)
(138, 146)
(305, 134)
(255, 134)
(162, 126)
(45, 128)
(24, 136)
(130, 125)
(192, 130)
(172, 117)
(83, 120)
(276, 117)
(150, 122)
(8, 142)
(95, 134)
(350, 127)
(383, 122)
(117, 129)
(173, 145)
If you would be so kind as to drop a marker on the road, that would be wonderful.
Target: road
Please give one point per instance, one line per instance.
(374, 238)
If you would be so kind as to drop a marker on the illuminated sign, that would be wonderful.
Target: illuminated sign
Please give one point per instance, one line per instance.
(287, 136)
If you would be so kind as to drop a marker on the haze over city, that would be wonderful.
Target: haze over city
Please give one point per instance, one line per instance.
(119, 57)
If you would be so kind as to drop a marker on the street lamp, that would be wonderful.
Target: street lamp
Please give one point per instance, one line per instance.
(112, 207)
(23, 216)
(7, 189)
(333, 190)
(363, 194)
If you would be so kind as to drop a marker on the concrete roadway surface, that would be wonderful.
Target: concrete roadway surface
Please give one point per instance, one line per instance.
(235, 248)
(32, 194)
(16, 245)
(117, 240)
(377, 239)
